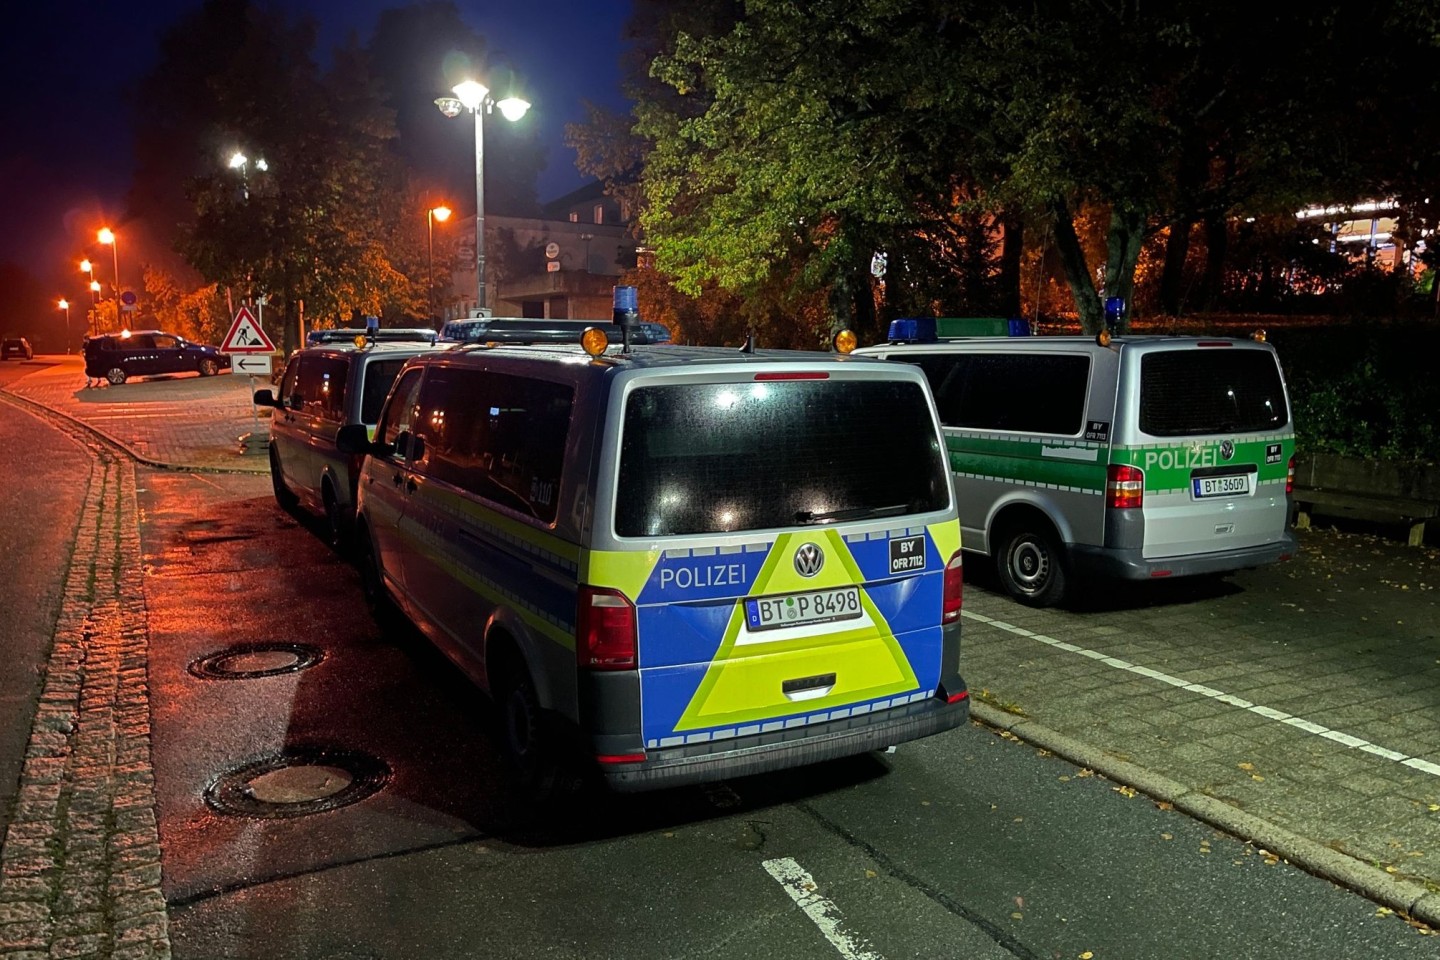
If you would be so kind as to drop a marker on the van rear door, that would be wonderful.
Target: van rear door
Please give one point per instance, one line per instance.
(1214, 442)
(793, 535)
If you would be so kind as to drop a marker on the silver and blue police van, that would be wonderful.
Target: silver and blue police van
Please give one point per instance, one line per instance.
(680, 563)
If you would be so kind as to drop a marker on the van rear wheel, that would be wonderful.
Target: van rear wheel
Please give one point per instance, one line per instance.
(115, 375)
(526, 735)
(1031, 567)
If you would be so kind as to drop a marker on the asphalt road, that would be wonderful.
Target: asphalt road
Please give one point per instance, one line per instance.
(964, 845)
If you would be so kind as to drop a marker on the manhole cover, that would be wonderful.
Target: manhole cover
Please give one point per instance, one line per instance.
(256, 660)
(298, 782)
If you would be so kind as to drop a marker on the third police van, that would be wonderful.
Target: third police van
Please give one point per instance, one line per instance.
(1132, 457)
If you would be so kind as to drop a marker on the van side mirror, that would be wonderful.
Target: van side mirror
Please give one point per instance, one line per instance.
(354, 439)
(266, 398)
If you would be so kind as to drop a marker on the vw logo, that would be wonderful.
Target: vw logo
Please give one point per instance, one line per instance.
(808, 560)
(1227, 449)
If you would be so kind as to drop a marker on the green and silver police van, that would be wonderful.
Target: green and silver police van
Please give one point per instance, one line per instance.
(683, 563)
(1132, 457)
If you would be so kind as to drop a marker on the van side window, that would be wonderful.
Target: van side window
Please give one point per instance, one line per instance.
(1033, 393)
(400, 413)
(379, 377)
(288, 383)
(505, 441)
(322, 384)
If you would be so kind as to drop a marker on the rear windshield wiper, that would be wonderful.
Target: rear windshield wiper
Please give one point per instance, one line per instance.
(849, 513)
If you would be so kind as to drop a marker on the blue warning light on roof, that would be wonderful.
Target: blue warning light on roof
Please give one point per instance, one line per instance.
(932, 329)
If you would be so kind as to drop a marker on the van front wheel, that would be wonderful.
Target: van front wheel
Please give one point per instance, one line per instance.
(1031, 568)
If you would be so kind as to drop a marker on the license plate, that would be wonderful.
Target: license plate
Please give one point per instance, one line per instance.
(801, 609)
(1203, 488)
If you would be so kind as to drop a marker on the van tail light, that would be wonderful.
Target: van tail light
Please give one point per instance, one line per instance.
(1124, 486)
(1290, 475)
(604, 630)
(954, 590)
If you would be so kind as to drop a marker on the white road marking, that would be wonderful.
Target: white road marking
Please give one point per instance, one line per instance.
(824, 914)
(1269, 713)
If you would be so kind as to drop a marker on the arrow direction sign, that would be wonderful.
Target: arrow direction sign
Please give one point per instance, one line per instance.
(258, 366)
(245, 335)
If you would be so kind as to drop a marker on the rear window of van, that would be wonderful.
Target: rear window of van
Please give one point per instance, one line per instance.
(1199, 392)
(726, 457)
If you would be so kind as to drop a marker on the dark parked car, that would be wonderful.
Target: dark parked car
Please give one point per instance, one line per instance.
(145, 353)
(16, 348)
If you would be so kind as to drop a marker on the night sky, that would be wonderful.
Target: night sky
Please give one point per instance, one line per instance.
(68, 71)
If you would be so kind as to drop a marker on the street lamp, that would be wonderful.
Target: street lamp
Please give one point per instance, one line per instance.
(107, 236)
(434, 213)
(238, 161)
(475, 97)
(65, 305)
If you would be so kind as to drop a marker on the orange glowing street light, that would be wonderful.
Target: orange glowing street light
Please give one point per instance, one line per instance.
(107, 236)
(441, 213)
(65, 305)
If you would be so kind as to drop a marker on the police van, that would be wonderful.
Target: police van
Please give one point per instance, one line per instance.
(1132, 457)
(686, 563)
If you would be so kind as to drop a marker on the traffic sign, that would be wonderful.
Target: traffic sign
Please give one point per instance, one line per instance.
(257, 366)
(245, 335)
(128, 298)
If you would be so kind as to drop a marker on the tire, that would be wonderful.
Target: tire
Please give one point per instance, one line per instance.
(283, 494)
(116, 375)
(526, 735)
(337, 525)
(208, 368)
(372, 585)
(1031, 567)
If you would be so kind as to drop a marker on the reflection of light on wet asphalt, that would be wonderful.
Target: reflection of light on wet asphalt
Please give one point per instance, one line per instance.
(1269, 713)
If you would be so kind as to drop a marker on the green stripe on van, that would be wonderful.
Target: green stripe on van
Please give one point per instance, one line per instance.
(1057, 463)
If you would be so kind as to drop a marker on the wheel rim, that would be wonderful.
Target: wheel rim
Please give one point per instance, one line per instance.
(116, 375)
(1029, 565)
(208, 368)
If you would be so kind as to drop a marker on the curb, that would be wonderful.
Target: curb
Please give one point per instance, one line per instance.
(129, 451)
(1405, 898)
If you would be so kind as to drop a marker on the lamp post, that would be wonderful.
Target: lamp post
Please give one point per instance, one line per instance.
(238, 161)
(88, 268)
(442, 214)
(65, 305)
(475, 97)
(107, 236)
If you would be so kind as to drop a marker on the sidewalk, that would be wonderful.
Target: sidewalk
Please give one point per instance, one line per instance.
(181, 422)
(1296, 706)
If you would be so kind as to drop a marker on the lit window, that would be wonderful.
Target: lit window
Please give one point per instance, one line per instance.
(574, 217)
(599, 213)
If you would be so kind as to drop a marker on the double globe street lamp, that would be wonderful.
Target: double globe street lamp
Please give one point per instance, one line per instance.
(475, 97)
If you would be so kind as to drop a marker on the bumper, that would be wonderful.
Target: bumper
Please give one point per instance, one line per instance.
(1128, 564)
(742, 756)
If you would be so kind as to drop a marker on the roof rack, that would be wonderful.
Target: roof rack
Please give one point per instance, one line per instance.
(527, 330)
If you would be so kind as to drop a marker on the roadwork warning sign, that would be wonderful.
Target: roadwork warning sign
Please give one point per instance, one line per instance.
(245, 335)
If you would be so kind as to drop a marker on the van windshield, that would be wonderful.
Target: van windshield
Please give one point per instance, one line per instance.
(726, 457)
(1207, 391)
